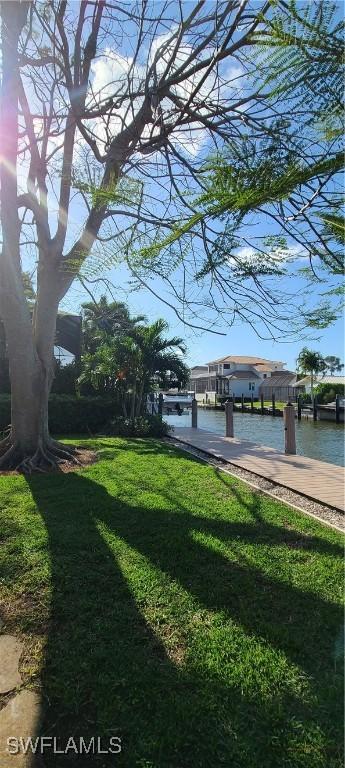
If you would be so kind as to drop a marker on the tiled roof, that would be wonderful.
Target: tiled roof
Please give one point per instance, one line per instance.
(322, 380)
(242, 375)
(246, 360)
(264, 368)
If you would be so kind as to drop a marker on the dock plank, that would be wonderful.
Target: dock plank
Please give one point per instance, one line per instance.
(317, 480)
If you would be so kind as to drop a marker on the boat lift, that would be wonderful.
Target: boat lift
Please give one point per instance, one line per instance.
(168, 404)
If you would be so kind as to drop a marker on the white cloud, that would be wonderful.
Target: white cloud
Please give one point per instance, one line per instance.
(110, 73)
(109, 79)
(249, 255)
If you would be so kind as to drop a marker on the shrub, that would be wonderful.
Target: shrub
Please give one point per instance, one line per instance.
(69, 414)
(305, 397)
(158, 427)
(65, 378)
(326, 393)
(141, 426)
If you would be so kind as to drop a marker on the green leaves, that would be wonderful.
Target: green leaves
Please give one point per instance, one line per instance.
(310, 361)
(300, 50)
(335, 226)
(321, 317)
(269, 178)
(125, 356)
(125, 191)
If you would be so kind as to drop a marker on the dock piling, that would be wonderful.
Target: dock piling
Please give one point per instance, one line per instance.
(337, 408)
(242, 403)
(299, 407)
(229, 419)
(314, 407)
(262, 405)
(160, 404)
(289, 429)
(273, 404)
(194, 413)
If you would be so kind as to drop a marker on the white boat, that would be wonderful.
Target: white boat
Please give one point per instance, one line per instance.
(176, 403)
(173, 402)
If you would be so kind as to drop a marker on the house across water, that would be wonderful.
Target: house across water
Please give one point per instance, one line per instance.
(237, 375)
(318, 379)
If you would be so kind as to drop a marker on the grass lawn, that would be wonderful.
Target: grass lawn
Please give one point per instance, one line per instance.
(267, 404)
(280, 405)
(164, 602)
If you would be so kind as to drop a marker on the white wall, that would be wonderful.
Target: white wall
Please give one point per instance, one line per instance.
(237, 388)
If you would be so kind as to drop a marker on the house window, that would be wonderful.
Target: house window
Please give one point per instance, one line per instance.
(265, 375)
(226, 366)
(251, 386)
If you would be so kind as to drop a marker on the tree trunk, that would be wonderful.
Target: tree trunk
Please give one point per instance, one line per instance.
(140, 409)
(30, 341)
(124, 405)
(30, 368)
(29, 411)
(28, 446)
(133, 401)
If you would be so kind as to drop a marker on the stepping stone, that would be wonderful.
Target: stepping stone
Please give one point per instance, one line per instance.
(10, 652)
(19, 719)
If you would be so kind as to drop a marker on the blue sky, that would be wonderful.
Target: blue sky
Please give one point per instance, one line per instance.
(241, 339)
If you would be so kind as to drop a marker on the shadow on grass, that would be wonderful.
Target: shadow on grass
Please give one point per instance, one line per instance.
(106, 673)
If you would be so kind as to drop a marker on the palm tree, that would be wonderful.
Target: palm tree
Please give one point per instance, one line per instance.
(129, 362)
(333, 364)
(104, 320)
(159, 361)
(310, 362)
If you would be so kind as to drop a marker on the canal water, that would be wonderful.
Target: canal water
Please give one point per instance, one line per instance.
(317, 439)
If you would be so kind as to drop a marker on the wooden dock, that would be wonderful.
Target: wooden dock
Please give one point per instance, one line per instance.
(317, 480)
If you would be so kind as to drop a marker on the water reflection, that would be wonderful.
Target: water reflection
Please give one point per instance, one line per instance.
(318, 440)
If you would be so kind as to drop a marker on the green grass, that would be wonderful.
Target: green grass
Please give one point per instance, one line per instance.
(279, 404)
(267, 404)
(164, 602)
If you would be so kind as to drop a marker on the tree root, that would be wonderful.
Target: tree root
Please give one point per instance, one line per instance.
(8, 457)
(63, 452)
(47, 456)
(66, 451)
(5, 444)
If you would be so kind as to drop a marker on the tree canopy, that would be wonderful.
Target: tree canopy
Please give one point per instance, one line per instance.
(310, 362)
(333, 364)
(282, 172)
(128, 358)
